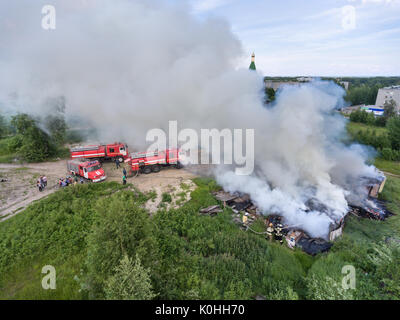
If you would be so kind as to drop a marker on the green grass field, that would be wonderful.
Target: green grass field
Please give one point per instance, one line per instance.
(354, 127)
(388, 166)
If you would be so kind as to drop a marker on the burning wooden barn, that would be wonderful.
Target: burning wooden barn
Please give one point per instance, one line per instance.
(246, 212)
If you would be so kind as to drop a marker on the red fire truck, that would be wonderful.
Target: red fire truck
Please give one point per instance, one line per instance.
(113, 151)
(90, 170)
(147, 162)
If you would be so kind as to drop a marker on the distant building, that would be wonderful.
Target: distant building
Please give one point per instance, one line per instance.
(304, 79)
(348, 110)
(253, 63)
(345, 84)
(373, 109)
(387, 94)
(276, 84)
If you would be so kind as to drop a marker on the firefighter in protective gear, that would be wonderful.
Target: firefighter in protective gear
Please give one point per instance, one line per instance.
(278, 233)
(270, 232)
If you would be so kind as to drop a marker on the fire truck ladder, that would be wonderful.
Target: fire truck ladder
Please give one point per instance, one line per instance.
(88, 148)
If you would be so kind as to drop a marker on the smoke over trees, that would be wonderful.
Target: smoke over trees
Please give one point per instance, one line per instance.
(31, 142)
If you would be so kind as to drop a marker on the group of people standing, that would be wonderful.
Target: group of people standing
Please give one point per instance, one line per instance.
(124, 176)
(69, 181)
(41, 183)
(275, 233)
(65, 182)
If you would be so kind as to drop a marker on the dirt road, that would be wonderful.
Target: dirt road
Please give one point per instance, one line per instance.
(20, 188)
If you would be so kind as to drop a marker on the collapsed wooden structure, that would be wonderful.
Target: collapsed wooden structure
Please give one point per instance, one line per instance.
(246, 212)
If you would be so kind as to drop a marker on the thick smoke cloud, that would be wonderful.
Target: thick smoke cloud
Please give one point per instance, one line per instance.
(130, 66)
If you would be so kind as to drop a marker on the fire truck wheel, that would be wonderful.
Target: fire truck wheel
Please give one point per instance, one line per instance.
(146, 170)
(156, 168)
(120, 159)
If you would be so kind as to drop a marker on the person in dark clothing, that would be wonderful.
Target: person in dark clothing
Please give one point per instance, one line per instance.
(124, 172)
(278, 233)
(117, 163)
(41, 182)
(270, 232)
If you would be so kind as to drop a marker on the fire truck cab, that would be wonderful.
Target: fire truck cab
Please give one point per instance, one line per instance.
(90, 170)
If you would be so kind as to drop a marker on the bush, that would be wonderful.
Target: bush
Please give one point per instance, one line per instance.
(166, 197)
(390, 154)
(131, 281)
(326, 288)
(15, 143)
(393, 126)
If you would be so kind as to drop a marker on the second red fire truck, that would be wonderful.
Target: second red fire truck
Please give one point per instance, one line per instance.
(90, 170)
(117, 150)
(147, 162)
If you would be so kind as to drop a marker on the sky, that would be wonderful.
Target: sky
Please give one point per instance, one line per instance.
(313, 37)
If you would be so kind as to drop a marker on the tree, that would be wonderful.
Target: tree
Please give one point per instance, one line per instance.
(363, 94)
(362, 116)
(270, 92)
(389, 109)
(393, 126)
(31, 142)
(55, 120)
(3, 126)
(131, 281)
(22, 122)
(122, 228)
(57, 127)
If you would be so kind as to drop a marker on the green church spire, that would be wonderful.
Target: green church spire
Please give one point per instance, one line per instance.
(253, 64)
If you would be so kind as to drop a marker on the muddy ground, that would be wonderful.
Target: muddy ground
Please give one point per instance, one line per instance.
(20, 188)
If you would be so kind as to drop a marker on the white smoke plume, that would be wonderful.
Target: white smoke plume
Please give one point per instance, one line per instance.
(130, 66)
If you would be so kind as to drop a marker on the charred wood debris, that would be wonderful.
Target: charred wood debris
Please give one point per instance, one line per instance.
(245, 213)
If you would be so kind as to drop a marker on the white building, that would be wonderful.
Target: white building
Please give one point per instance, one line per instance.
(387, 94)
(345, 84)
